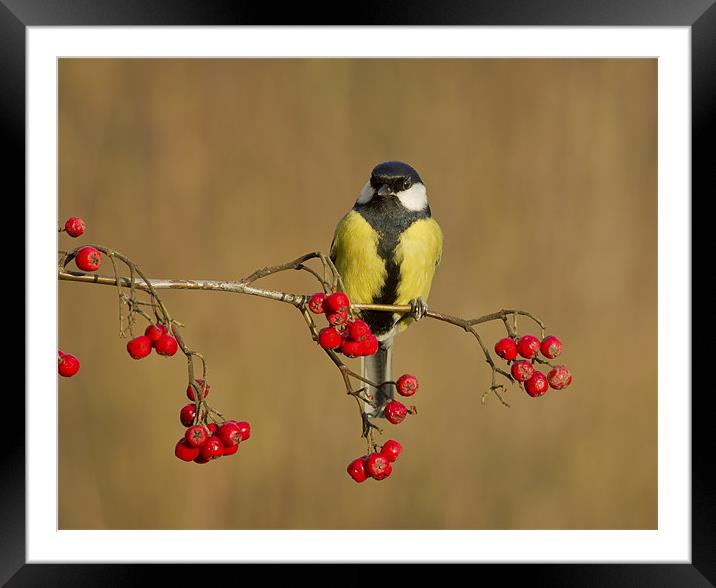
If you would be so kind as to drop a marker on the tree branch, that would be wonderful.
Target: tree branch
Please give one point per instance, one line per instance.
(241, 287)
(330, 280)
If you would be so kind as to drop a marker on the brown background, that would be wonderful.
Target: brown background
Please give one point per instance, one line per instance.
(543, 176)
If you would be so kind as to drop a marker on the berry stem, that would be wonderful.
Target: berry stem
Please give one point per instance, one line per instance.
(543, 361)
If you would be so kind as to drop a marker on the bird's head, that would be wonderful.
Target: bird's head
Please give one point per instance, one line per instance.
(395, 179)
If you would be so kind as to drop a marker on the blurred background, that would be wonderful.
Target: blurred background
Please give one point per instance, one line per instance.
(543, 176)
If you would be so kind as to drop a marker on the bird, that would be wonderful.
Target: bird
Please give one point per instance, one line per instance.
(386, 249)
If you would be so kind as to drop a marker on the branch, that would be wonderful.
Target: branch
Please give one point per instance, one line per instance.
(241, 287)
(330, 280)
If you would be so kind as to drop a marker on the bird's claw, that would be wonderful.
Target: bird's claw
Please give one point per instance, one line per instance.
(418, 308)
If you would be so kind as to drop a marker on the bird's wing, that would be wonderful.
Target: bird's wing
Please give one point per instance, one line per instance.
(332, 254)
(332, 250)
(440, 246)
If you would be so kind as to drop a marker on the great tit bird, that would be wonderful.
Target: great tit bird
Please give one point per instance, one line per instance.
(386, 250)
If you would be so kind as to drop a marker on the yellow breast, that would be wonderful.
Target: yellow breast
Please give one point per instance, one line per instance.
(417, 254)
(355, 251)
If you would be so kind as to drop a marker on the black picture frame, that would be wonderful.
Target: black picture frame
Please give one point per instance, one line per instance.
(699, 15)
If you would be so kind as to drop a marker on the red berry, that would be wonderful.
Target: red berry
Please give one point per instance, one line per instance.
(230, 450)
(139, 347)
(203, 388)
(537, 384)
(522, 370)
(551, 347)
(196, 436)
(352, 348)
(559, 377)
(356, 470)
(185, 451)
(213, 429)
(407, 385)
(244, 429)
(166, 345)
(391, 450)
(395, 412)
(378, 466)
(329, 338)
(201, 459)
(187, 414)
(88, 259)
(75, 226)
(370, 345)
(337, 318)
(358, 330)
(212, 449)
(315, 304)
(154, 332)
(230, 434)
(68, 365)
(528, 346)
(336, 302)
(506, 348)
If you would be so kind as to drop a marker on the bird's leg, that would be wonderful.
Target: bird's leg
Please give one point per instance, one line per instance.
(418, 308)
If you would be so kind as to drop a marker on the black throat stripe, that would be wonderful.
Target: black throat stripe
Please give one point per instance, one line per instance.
(389, 218)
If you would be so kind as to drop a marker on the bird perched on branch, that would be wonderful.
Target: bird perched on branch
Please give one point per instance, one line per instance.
(386, 249)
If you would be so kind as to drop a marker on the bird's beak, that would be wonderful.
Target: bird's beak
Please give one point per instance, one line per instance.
(384, 190)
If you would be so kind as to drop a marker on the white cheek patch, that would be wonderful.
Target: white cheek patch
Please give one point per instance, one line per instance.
(366, 194)
(415, 198)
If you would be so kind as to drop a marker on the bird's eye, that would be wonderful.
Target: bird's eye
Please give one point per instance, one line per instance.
(406, 184)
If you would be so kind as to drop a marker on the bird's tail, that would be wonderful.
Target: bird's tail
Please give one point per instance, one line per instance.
(377, 368)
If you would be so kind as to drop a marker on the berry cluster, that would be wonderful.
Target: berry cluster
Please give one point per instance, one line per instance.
(395, 411)
(155, 337)
(376, 465)
(200, 443)
(347, 335)
(67, 365)
(536, 383)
